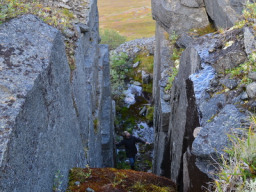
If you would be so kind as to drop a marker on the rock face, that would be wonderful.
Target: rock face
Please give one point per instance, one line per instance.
(224, 13)
(52, 118)
(203, 97)
(179, 15)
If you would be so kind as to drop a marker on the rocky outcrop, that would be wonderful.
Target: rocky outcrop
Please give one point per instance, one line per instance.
(206, 102)
(179, 15)
(52, 118)
(224, 13)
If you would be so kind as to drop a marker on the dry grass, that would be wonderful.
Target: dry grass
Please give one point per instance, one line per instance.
(131, 18)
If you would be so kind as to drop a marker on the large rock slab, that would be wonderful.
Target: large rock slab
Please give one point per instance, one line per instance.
(179, 16)
(224, 13)
(40, 133)
(213, 137)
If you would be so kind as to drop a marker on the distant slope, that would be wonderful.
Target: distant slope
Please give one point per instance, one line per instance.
(132, 18)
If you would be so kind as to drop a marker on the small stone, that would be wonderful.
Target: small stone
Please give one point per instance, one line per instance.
(211, 50)
(244, 96)
(89, 190)
(166, 97)
(252, 75)
(136, 64)
(84, 28)
(251, 90)
(197, 131)
(62, 5)
(145, 77)
(77, 183)
(229, 83)
(137, 83)
(68, 33)
(143, 111)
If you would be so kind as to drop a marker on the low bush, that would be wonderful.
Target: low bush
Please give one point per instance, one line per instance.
(112, 38)
(119, 70)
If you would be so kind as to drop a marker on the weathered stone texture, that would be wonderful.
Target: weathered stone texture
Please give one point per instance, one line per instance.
(179, 16)
(42, 126)
(51, 118)
(224, 13)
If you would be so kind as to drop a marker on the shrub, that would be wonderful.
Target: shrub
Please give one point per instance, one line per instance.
(119, 70)
(112, 38)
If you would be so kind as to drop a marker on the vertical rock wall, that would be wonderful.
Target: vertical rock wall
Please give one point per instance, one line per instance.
(52, 118)
(175, 120)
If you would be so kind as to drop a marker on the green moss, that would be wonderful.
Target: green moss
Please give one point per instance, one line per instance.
(171, 78)
(150, 114)
(203, 31)
(96, 125)
(146, 61)
(140, 187)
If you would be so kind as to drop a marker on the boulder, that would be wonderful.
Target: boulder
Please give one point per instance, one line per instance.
(213, 138)
(251, 90)
(179, 15)
(210, 108)
(229, 83)
(230, 60)
(252, 76)
(223, 12)
(249, 41)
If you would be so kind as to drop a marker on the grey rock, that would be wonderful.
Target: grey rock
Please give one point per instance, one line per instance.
(249, 41)
(41, 132)
(229, 83)
(68, 33)
(135, 65)
(211, 107)
(83, 28)
(190, 3)
(252, 75)
(251, 90)
(230, 61)
(184, 41)
(49, 124)
(137, 83)
(244, 96)
(145, 77)
(143, 110)
(77, 183)
(213, 138)
(166, 97)
(89, 190)
(174, 16)
(131, 48)
(222, 13)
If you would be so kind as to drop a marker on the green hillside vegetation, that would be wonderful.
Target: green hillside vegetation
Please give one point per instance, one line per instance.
(131, 18)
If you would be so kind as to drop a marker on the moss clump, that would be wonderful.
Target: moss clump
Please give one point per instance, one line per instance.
(203, 31)
(96, 126)
(146, 62)
(150, 114)
(171, 79)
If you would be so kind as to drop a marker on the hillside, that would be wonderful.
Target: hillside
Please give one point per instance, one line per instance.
(132, 19)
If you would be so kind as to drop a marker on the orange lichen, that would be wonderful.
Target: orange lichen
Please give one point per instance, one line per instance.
(110, 179)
